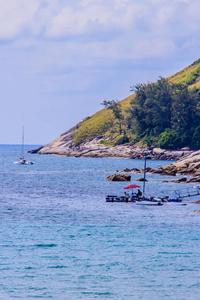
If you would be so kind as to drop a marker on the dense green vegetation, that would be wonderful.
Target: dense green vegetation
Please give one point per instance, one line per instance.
(164, 114)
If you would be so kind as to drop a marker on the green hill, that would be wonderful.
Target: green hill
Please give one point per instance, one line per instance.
(112, 130)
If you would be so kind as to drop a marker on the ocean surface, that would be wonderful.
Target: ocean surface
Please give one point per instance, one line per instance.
(59, 239)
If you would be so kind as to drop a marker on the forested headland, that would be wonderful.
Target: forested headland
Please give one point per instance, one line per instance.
(164, 114)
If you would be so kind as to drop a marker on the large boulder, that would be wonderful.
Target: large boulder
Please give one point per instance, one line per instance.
(119, 177)
(180, 180)
(141, 179)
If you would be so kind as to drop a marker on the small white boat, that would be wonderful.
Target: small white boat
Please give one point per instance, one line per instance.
(22, 160)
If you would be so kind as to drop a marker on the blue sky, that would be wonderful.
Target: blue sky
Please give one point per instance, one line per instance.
(60, 59)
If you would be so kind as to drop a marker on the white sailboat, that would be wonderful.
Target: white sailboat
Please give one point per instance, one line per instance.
(22, 160)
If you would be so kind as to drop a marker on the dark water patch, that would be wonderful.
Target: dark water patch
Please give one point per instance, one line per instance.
(196, 285)
(37, 288)
(184, 269)
(72, 236)
(8, 246)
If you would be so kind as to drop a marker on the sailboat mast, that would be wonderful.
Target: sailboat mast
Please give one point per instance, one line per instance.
(23, 142)
(144, 174)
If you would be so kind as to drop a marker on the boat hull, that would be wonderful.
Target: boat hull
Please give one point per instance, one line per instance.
(23, 163)
(149, 203)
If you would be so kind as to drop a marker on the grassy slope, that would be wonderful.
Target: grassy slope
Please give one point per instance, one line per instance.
(103, 123)
(190, 75)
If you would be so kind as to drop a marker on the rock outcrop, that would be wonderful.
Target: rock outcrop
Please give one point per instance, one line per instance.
(189, 165)
(187, 180)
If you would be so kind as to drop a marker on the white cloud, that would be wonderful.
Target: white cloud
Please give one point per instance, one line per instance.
(67, 22)
(58, 19)
(88, 31)
(16, 17)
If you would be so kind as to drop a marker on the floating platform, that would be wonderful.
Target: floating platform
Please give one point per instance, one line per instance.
(112, 198)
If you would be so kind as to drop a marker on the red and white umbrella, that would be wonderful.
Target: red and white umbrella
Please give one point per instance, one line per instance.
(131, 186)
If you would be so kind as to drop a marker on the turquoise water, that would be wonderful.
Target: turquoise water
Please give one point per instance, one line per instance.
(59, 239)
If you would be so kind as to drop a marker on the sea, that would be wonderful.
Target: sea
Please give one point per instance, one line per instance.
(60, 239)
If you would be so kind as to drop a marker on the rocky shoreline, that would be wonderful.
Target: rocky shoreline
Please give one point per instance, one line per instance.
(64, 145)
(187, 162)
(187, 165)
(123, 151)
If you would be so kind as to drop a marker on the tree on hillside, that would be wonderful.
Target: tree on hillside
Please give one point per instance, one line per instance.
(151, 108)
(115, 106)
(183, 113)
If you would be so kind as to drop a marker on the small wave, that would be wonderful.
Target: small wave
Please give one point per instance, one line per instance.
(98, 293)
(57, 267)
(46, 245)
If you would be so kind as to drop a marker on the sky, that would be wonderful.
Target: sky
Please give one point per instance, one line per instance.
(59, 59)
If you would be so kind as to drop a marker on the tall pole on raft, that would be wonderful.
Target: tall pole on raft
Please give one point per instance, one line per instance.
(144, 179)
